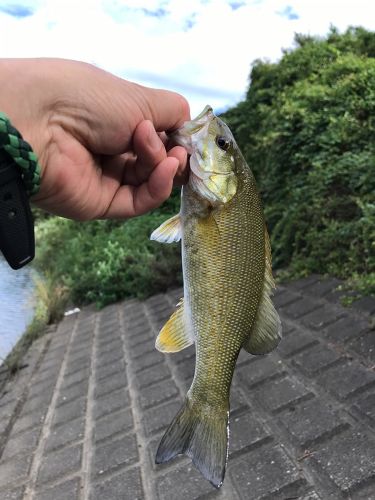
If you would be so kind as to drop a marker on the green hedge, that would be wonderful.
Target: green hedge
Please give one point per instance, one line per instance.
(105, 261)
(307, 129)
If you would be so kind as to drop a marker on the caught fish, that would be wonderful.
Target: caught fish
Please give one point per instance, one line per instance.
(226, 262)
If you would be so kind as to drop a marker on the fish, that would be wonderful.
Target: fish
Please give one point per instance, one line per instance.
(227, 283)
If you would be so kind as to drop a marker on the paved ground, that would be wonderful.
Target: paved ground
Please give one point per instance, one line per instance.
(83, 418)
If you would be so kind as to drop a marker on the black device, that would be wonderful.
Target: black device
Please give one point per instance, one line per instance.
(17, 240)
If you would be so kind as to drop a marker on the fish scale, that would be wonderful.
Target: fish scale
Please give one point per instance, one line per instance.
(223, 299)
(226, 263)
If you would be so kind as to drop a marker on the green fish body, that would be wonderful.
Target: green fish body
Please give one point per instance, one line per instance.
(226, 263)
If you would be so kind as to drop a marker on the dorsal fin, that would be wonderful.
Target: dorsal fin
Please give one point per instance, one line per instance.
(175, 334)
(266, 331)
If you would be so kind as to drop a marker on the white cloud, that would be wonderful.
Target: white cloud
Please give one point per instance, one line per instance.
(202, 48)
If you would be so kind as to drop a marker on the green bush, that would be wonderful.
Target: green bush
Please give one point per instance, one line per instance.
(307, 129)
(105, 261)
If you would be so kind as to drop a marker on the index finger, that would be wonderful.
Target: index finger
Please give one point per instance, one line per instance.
(168, 110)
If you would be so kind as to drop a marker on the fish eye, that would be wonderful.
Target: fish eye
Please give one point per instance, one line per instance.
(222, 142)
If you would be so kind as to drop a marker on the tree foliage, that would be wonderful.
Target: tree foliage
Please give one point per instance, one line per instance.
(307, 129)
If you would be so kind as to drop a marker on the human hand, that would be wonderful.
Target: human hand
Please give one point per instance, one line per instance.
(95, 137)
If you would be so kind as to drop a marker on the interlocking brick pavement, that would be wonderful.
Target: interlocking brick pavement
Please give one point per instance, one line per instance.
(83, 418)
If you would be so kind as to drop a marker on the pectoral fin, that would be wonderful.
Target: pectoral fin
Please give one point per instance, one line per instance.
(266, 332)
(169, 232)
(175, 334)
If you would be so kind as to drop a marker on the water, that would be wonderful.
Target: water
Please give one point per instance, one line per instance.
(16, 305)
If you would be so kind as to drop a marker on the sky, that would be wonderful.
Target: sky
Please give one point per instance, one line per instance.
(201, 48)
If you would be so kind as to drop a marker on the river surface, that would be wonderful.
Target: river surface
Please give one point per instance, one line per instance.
(16, 304)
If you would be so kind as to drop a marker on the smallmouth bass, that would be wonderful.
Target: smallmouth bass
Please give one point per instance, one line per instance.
(226, 262)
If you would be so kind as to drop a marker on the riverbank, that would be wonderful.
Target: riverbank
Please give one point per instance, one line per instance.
(16, 305)
(82, 419)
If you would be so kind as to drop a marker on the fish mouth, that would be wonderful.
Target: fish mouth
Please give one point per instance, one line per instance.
(191, 131)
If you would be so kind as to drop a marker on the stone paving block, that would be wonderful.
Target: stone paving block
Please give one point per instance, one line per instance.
(67, 433)
(179, 357)
(316, 359)
(347, 379)
(262, 369)
(267, 472)
(31, 420)
(43, 387)
(185, 370)
(246, 432)
(115, 345)
(148, 360)
(110, 384)
(304, 283)
(112, 424)
(124, 486)
(158, 419)
(103, 372)
(346, 328)
(285, 298)
(13, 494)
(237, 402)
(310, 496)
(158, 393)
(105, 338)
(279, 394)
(109, 357)
(320, 318)
(55, 355)
(38, 403)
(152, 375)
(312, 421)
(157, 302)
(75, 378)
(142, 349)
(304, 306)
(111, 455)
(366, 406)
(365, 346)
(59, 463)
(109, 403)
(25, 442)
(348, 459)
(76, 365)
(68, 490)
(244, 358)
(144, 335)
(50, 371)
(73, 392)
(183, 483)
(14, 471)
(159, 319)
(323, 287)
(294, 343)
(69, 411)
(365, 304)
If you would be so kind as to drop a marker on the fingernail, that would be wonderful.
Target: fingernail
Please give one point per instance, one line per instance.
(153, 139)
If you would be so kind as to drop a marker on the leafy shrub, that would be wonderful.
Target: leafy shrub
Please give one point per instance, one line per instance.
(307, 129)
(104, 261)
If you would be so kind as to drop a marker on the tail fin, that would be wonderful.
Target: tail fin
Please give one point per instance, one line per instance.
(203, 436)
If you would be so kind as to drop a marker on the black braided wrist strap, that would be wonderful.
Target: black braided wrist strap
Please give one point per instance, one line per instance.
(11, 141)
